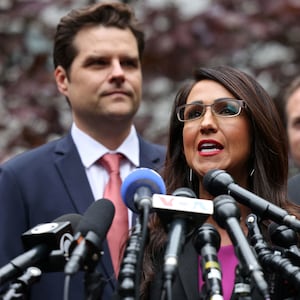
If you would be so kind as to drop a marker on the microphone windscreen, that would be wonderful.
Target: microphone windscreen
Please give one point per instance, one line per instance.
(216, 182)
(141, 177)
(97, 218)
(74, 219)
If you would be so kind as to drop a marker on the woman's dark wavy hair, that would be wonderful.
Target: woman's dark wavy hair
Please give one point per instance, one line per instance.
(269, 144)
(269, 151)
(108, 14)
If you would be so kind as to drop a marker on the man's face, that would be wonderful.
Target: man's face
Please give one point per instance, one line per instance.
(293, 125)
(105, 78)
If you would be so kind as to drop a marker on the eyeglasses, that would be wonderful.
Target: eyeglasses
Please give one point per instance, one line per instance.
(222, 107)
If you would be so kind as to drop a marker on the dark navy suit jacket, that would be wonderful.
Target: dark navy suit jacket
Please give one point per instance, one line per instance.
(42, 184)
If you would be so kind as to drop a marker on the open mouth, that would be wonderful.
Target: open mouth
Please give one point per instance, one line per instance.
(209, 147)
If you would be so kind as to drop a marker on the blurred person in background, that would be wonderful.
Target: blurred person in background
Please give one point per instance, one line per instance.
(292, 121)
(97, 58)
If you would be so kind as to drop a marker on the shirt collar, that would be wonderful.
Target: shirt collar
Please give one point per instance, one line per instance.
(90, 150)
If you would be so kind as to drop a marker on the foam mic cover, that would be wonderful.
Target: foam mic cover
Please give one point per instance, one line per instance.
(139, 186)
(90, 234)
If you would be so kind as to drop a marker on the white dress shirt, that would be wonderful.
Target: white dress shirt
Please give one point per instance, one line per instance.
(90, 151)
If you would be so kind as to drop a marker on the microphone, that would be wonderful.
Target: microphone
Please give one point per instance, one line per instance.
(176, 209)
(139, 186)
(39, 242)
(136, 191)
(207, 242)
(279, 267)
(182, 202)
(56, 260)
(89, 236)
(218, 182)
(227, 215)
(287, 239)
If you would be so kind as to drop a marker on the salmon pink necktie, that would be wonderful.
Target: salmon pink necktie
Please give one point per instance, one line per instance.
(118, 232)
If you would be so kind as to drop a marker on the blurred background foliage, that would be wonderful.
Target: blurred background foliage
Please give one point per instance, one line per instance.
(258, 36)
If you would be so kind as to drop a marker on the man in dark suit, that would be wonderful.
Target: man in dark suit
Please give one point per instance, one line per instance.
(97, 58)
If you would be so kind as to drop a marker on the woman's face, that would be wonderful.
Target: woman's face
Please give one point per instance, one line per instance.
(214, 142)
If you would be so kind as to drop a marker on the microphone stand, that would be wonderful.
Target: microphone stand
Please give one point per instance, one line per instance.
(128, 288)
(93, 283)
(274, 263)
(242, 288)
(19, 288)
(227, 215)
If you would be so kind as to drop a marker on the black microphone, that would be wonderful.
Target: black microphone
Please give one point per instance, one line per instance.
(90, 234)
(227, 215)
(207, 242)
(178, 222)
(287, 239)
(218, 182)
(278, 266)
(56, 260)
(39, 242)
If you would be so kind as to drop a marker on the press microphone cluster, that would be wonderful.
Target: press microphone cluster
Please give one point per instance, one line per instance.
(218, 182)
(45, 246)
(53, 247)
(179, 212)
(270, 261)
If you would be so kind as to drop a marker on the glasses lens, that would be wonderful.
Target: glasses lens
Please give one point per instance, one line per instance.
(227, 107)
(191, 111)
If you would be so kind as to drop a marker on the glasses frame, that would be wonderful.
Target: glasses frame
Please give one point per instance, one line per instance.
(241, 103)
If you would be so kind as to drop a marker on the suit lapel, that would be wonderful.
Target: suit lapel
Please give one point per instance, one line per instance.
(150, 156)
(73, 175)
(188, 271)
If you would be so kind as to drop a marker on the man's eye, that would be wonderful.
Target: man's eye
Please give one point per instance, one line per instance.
(130, 63)
(100, 62)
(96, 62)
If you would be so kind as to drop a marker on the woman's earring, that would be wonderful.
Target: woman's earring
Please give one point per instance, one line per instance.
(191, 175)
(252, 172)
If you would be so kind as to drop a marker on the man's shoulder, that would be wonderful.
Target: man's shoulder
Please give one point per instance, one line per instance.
(148, 144)
(34, 155)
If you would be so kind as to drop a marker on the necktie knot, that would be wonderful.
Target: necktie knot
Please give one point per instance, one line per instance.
(111, 162)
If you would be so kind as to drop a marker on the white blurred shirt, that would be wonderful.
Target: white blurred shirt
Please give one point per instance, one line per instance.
(90, 151)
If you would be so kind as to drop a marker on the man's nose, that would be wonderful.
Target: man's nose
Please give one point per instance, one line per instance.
(117, 69)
